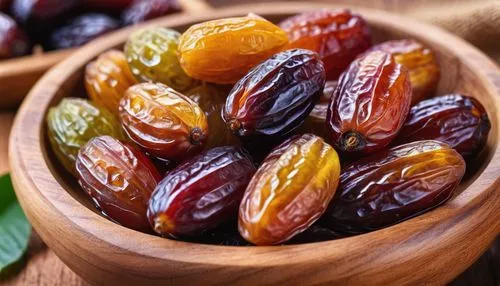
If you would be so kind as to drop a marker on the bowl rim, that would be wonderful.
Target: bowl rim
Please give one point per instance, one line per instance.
(29, 167)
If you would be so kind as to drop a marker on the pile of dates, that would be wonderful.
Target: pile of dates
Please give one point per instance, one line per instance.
(239, 131)
(61, 24)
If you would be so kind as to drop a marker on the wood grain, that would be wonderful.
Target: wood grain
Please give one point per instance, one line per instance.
(431, 248)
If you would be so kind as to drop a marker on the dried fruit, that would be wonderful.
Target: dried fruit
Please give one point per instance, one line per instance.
(274, 98)
(211, 100)
(316, 121)
(82, 30)
(224, 50)
(166, 123)
(108, 5)
(13, 41)
(290, 190)
(119, 178)
(458, 120)
(108, 78)
(202, 193)
(420, 63)
(73, 123)
(152, 55)
(338, 36)
(394, 185)
(39, 17)
(142, 10)
(369, 105)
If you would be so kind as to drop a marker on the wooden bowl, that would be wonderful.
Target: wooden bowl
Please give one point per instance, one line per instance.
(18, 75)
(430, 249)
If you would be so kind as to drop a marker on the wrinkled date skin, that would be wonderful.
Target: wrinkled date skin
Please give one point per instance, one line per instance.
(119, 178)
(166, 123)
(458, 120)
(289, 191)
(420, 63)
(223, 51)
(338, 36)
(152, 55)
(142, 10)
(369, 105)
(13, 41)
(394, 185)
(75, 121)
(82, 30)
(211, 100)
(274, 98)
(108, 78)
(202, 193)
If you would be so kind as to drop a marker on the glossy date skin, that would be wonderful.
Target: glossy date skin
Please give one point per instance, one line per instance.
(152, 56)
(289, 191)
(455, 119)
(164, 122)
(72, 123)
(142, 10)
(223, 51)
(420, 62)
(13, 41)
(338, 36)
(369, 105)
(394, 185)
(108, 78)
(274, 98)
(119, 178)
(201, 193)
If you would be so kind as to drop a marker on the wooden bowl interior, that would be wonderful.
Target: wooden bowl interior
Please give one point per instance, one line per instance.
(452, 81)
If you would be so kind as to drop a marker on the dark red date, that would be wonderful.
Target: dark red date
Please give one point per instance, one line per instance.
(274, 98)
(394, 185)
(119, 178)
(13, 41)
(457, 120)
(201, 193)
(143, 10)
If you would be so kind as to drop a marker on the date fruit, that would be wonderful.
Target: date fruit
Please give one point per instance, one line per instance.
(164, 122)
(108, 78)
(394, 185)
(275, 97)
(289, 191)
(142, 10)
(13, 41)
(369, 105)
(152, 56)
(420, 63)
(211, 100)
(73, 123)
(202, 193)
(82, 30)
(457, 120)
(338, 36)
(119, 178)
(224, 50)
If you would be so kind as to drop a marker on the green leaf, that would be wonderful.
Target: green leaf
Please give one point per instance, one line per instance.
(15, 230)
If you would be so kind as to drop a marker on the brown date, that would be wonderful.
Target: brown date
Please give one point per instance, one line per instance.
(211, 100)
(394, 185)
(164, 122)
(338, 36)
(369, 105)
(458, 120)
(201, 193)
(420, 63)
(274, 98)
(119, 178)
(289, 191)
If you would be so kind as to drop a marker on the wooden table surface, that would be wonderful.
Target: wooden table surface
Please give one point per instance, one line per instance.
(43, 267)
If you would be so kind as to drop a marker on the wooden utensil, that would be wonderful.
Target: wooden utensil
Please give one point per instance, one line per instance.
(430, 249)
